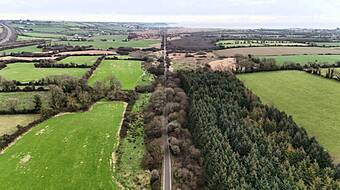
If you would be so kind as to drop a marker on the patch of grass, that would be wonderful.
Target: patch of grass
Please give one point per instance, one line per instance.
(72, 151)
(146, 79)
(43, 35)
(327, 44)
(111, 41)
(25, 72)
(21, 100)
(23, 38)
(304, 59)
(312, 101)
(87, 60)
(127, 72)
(129, 169)
(8, 123)
(21, 49)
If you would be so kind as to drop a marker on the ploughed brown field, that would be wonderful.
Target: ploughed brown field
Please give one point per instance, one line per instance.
(277, 51)
(227, 64)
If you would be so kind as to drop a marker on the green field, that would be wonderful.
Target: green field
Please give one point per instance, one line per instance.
(327, 44)
(8, 123)
(112, 41)
(313, 102)
(43, 35)
(72, 151)
(87, 60)
(303, 59)
(25, 72)
(129, 73)
(255, 43)
(130, 171)
(21, 49)
(21, 100)
(23, 38)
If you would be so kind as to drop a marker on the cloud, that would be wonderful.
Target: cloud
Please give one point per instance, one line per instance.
(226, 13)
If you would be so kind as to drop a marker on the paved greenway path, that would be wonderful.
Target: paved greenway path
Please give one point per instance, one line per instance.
(167, 174)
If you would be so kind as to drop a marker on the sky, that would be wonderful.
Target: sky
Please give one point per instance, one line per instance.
(191, 13)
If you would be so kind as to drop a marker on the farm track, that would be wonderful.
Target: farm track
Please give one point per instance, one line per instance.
(167, 174)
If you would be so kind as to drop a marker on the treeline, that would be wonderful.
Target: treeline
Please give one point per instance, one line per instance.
(169, 103)
(90, 72)
(247, 145)
(70, 94)
(14, 86)
(2, 65)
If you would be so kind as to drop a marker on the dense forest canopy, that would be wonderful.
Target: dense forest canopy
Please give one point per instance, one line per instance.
(248, 145)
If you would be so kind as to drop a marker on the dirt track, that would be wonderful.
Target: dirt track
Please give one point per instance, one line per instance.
(277, 51)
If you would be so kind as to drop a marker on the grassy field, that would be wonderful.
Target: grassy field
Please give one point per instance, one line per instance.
(112, 41)
(268, 51)
(43, 35)
(129, 73)
(72, 151)
(22, 100)
(130, 172)
(88, 60)
(327, 44)
(23, 38)
(21, 49)
(304, 59)
(255, 43)
(26, 72)
(312, 101)
(8, 123)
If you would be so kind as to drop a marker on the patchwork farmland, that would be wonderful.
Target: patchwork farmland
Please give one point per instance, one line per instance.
(97, 105)
(45, 96)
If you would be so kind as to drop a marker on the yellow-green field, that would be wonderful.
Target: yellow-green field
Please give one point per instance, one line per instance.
(313, 102)
(129, 73)
(26, 72)
(8, 123)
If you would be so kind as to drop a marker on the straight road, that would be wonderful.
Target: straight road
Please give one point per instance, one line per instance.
(167, 173)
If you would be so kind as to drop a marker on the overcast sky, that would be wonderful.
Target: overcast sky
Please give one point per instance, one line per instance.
(199, 13)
